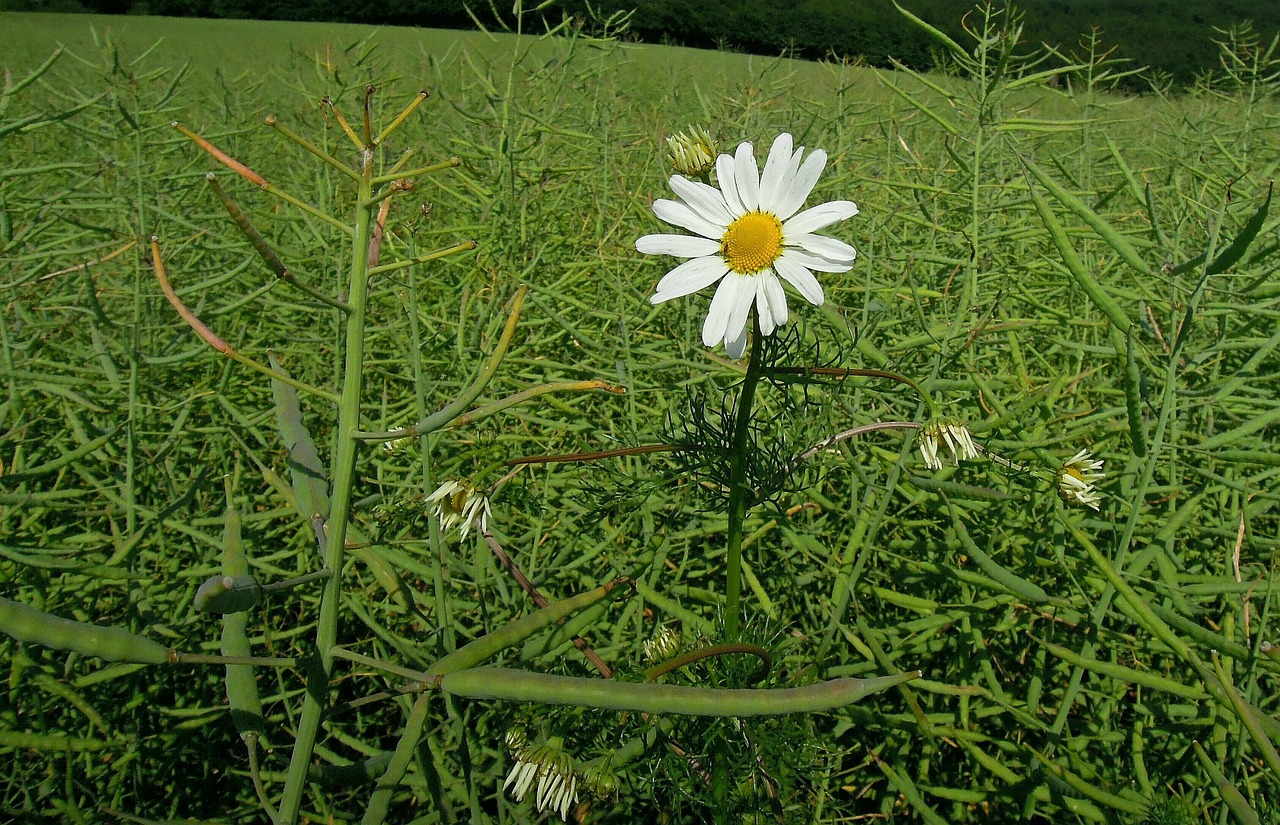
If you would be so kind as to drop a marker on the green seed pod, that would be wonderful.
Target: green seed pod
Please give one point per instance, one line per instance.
(365, 772)
(242, 688)
(228, 594)
(26, 624)
(1133, 398)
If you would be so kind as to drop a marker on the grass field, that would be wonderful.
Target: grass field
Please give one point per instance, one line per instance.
(1054, 266)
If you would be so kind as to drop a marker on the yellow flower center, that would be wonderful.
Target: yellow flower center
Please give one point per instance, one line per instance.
(752, 243)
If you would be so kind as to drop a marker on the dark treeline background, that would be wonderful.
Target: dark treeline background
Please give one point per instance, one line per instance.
(1172, 37)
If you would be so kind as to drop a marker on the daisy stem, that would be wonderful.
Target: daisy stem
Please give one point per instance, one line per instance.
(738, 487)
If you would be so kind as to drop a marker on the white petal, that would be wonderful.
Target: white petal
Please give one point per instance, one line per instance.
(746, 176)
(776, 172)
(681, 246)
(824, 247)
(800, 278)
(801, 184)
(810, 220)
(689, 277)
(722, 306)
(687, 217)
(763, 311)
(815, 262)
(740, 314)
(724, 175)
(707, 201)
(777, 299)
(735, 348)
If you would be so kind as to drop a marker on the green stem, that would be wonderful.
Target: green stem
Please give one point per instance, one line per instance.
(738, 487)
(343, 481)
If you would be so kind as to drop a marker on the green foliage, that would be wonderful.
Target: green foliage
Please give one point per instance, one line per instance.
(1050, 694)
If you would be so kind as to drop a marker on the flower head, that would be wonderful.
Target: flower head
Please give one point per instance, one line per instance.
(458, 501)
(692, 155)
(664, 644)
(550, 766)
(1077, 478)
(748, 235)
(954, 435)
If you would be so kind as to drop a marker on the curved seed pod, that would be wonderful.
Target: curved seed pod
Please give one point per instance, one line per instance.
(523, 686)
(228, 594)
(26, 624)
(515, 632)
(364, 772)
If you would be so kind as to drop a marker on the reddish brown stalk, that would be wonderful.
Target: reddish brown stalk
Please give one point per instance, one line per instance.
(379, 227)
(187, 315)
(222, 157)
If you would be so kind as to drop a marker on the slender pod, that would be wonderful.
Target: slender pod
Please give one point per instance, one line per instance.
(1006, 578)
(523, 686)
(1230, 794)
(1133, 398)
(515, 632)
(1106, 231)
(1099, 296)
(26, 624)
(242, 688)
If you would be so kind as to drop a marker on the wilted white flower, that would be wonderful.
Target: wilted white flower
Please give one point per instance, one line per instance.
(747, 237)
(694, 154)
(458, 502)
(1077, 478)
(553, 770)
(663, 645)
(956, 437)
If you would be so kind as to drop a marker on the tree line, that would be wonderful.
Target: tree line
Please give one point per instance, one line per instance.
(1173, 38)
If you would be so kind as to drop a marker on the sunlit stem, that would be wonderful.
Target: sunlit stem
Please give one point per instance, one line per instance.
(442, 417)
(251, 743)
(533, 392)
(287, 584)
(738, 487)
(378, 664)
(422, 259)
(344, 475)
(342, 121)
(274, 191)
(312, 148)
(451, 163)
(408, 110)
(498, 406)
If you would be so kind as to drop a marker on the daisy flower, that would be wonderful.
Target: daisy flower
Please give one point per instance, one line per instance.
(457, 502)
(749, 234)
(1077, 478)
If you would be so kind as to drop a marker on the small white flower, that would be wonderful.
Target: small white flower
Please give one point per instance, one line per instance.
(747, 237)
(956, 437)
(458, 502)
(1077, 478)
